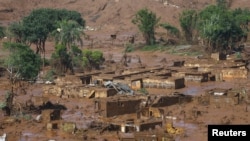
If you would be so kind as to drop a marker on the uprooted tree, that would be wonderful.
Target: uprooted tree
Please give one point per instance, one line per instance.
(22, 64)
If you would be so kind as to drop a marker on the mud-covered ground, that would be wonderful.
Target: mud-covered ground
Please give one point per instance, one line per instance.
(81, 111)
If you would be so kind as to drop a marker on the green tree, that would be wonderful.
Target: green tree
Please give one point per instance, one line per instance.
(92, 59)
(68, 33)
(242, 18)
(16, 30)
(146, 21)
(77, 57)
(219, 28)
(41, 22)
(22, 64)
(36, 27)
(188, 22)
(61, 60)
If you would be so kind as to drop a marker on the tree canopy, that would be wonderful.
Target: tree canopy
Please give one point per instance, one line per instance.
(188, 20)
(36, 27)
(146, 21)
(68, 33)
(92, 59)
(43, 21)
(220, 28)
(61, 60)
(22, 63)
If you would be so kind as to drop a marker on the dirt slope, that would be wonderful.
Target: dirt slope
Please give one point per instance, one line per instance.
(107, 15)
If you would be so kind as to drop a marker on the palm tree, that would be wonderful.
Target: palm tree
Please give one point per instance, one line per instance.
(68, 33)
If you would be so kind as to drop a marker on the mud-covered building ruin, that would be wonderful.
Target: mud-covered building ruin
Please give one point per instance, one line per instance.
(123, 108)
(222, 97)
(119, 105)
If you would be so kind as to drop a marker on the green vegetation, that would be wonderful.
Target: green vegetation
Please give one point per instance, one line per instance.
(129, 48)
(171, 29)
(40, 23)
(50, 75)
(61, 60)
(188, 21)
(68, 33)
(92, 59)
(154, 47)
(4, 104)
(144, 91)
(146, 21)
(67, 54)
(22, 63)
(2, 32)
(218, 27)
(77, 56)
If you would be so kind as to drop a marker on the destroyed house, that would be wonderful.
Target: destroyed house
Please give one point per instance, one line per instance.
(68, 127)
(141, 71)
(222, 70)
(178, 63)
(104, 92)
(190, 74)
(136, 83)
(49, 115)
(232, 73)
(163, 82)
(118, 105)
(218, 56)
(165, 73)
(221, 97)
(162, 101)
(145, 136)
(199, 63)
(87, 78)
(181, 69)
(141, 125)
(197, 76)
(119, 87)
(101, 79)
